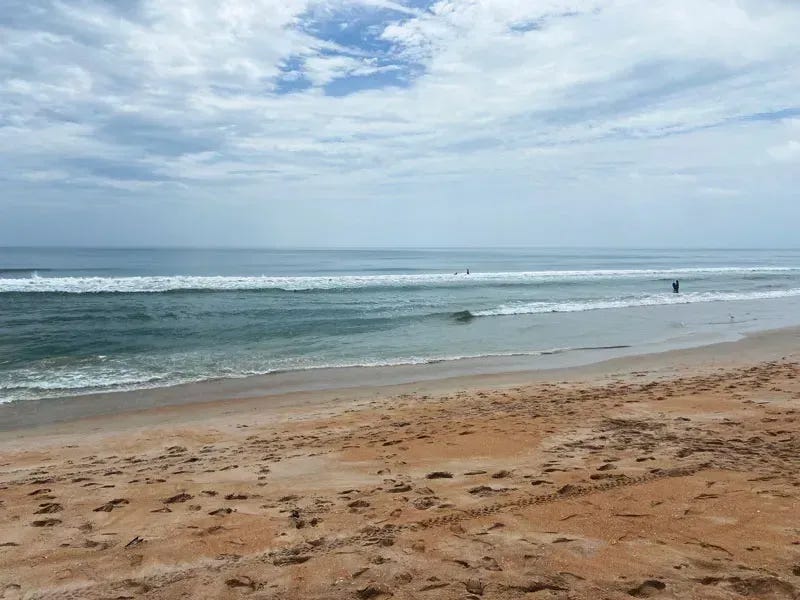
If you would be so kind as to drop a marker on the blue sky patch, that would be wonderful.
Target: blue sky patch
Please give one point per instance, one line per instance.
(540, 23)
(358, 28)
(291, 78)
(354, 31)
(400, 77)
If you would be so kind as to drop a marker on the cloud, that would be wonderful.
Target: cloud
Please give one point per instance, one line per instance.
(324, 99)
(790, 151)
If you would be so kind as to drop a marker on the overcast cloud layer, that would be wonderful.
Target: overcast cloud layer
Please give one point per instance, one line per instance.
(406, 122)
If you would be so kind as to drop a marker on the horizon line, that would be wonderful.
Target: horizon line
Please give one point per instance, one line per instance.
(388, 248)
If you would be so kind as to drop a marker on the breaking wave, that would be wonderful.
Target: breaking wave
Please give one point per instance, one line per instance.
(530, 308)
(156, 284)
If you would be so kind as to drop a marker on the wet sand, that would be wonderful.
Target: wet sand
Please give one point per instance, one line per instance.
(670, 475)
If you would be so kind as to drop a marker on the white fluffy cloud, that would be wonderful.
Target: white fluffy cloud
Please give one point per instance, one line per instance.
(324, 99)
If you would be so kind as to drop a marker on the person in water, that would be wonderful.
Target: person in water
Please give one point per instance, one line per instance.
(467, 271)
(676, 286)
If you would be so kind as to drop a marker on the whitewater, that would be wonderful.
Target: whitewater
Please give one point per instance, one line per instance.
(155, 284)
(93, 321)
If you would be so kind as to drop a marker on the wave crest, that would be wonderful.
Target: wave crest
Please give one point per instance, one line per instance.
(156, 284)
(531, 308)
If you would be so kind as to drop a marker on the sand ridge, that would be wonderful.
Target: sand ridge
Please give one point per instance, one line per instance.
(648, 485)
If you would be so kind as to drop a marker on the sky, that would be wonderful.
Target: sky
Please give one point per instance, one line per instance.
(400, 123)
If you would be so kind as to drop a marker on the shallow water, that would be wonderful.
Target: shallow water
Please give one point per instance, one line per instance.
(76, 321)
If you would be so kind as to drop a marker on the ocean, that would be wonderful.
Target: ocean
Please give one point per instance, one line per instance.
(81, 321)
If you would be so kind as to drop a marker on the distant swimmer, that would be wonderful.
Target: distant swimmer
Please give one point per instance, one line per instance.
(676, 286)
(467, 271)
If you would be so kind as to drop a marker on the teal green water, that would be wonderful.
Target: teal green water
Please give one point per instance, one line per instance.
(76, 321)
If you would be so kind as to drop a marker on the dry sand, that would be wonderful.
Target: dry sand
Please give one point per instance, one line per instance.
(672, 476)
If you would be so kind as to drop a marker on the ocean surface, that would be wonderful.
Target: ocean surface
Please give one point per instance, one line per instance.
(79, 321)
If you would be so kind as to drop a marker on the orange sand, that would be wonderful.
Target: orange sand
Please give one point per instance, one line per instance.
(678, 481)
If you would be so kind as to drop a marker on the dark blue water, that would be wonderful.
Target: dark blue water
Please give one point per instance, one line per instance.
(77, 321)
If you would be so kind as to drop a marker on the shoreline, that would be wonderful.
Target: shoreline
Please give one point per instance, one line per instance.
(292, 389)
(660, 475)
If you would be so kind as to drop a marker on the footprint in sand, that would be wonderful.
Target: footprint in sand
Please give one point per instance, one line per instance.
(46, 523)
(399, 489)
(649, 588)
(490, 564)
(111, 505)
(241, 581)
(425, 503)
(372, 591)
(182, 497)
(485, 490)
(755, 587)
(475, 586)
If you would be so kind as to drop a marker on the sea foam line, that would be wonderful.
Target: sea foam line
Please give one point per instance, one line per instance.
(651, 300)
(155, 284)
(86, 383)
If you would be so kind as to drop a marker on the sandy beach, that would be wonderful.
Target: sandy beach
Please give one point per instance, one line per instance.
(672, 475)
(399, 300)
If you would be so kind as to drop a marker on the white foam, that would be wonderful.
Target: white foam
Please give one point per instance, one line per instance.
(35, 384)
(153, 284)
(630, 302)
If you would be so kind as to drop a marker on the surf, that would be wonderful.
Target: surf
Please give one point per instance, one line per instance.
(171, 283)
(633, 302)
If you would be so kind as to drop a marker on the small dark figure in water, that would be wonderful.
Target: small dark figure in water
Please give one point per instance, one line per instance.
(676, 286)
(467, 271)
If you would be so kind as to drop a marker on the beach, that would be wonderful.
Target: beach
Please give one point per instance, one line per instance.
(399, 300)
(661, 475)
